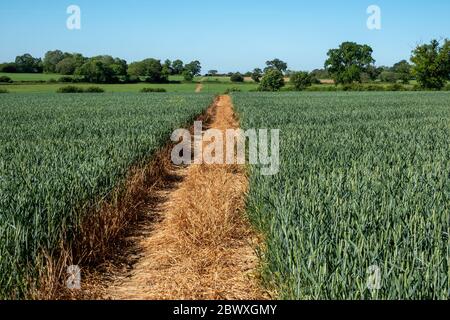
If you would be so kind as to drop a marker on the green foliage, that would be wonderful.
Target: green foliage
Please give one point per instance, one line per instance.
(395, 87)
(8, 67)
(3, 91)
(403, 70)
(177, 67)
(363, 182)
(347, 63)
(60, 156)
(27, 64)
(233, 89)
(51, 59)
(5, 79)
(65, 79)
(257, 75)
(276, 64)
(70, 89)
(149, 90)
(300, 80)
(188, 75)
(94, 90)
(273, 80)
(432, 64)
(389, 76)
(70, 63)
(151, 69)
(193, 67)
(237, 77)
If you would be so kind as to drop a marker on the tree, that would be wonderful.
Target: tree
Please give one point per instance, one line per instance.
(403, 70)
(151, 69)
(212, 73)
(432, 64)
(347, 63)
(96, 71)
(389, 76)
(70, 63)
(27, 64)
(273, 80)
(276, 64)
(301, 80)
(187, 75)
(51, 59)
(257, 74)
(237, 77)
(9, 67)
(167, 67)
(177, 67)
(194, 67)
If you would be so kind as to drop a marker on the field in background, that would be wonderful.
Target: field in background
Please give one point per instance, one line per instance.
(363, 184)
(31, 76)
(60, 154)
(130, 88)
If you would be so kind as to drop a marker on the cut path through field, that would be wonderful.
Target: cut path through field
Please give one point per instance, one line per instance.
(203, 247)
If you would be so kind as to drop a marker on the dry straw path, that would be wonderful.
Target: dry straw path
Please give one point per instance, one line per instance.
(199, 88)
(202, 247)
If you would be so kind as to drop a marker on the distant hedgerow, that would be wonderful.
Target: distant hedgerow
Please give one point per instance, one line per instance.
(148, 90)
(4, 91)
(94, 90)
(70, 89)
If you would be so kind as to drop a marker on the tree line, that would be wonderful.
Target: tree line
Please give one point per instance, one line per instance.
(348, 64)
(353, 63)
(102, 69)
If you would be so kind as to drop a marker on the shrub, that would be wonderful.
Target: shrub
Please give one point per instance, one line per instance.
(353, 87)
(273, 80)
(51, 81)
(188, 76)
(94, 90)
(65, 79)
(237, 77)
(70, 89)
(4, 91)
(149, 90)
(301, 80)
(5, 79)
(447, 87)
(395, 87)
(132, 79)
(234, 89)
(374, 87)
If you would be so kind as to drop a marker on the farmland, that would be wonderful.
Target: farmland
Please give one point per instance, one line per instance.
(60, 154)
(363, 184)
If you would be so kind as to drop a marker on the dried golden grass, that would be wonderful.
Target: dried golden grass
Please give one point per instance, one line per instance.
(204, 247)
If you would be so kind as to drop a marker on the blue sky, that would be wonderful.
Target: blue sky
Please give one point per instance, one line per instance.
(232, 35)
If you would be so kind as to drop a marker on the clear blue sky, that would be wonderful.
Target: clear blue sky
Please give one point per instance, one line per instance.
(227, 35)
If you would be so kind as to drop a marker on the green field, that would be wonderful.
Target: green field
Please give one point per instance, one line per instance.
(60, 154)
(364, 182)
(130, 88)
(31, 76)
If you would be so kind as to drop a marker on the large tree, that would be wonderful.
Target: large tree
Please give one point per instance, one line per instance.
(51, 59)
(194, 67)
(28, 64)
(273, 80)
(347, 63)
(70, 63)
(432, 64)
(178, 67)
(403, 70)
(276, 64)
(151, 69)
